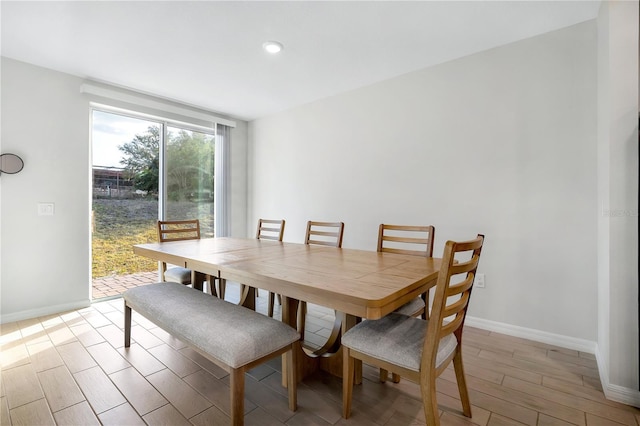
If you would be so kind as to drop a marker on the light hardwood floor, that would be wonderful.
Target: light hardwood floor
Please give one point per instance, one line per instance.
(72, 369)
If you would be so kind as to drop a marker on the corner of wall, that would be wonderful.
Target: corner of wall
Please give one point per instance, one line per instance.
(614, 392)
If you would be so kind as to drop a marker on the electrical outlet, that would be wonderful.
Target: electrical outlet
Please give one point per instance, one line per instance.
(479, 281)
(46, 209)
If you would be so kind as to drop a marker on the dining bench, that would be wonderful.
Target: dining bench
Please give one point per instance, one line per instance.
(231, 336)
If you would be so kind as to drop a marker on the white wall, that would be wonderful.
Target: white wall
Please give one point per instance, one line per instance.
(45, 259)
(618, 199)
(45, 263)
(502, 143)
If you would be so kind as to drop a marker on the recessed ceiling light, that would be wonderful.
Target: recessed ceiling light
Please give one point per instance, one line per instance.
(272, 46)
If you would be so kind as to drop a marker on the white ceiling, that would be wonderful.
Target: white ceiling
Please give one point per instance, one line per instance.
(209, 54)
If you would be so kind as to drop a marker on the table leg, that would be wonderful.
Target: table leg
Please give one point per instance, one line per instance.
(222, 286)
(211, 285)
(306, 364)
(333, 364)
(248, 297)
(309, 363)
(197, 280)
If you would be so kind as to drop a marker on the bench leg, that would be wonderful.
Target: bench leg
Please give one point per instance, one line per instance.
(237, 396)
(127, 325)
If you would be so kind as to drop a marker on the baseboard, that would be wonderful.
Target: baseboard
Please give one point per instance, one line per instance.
(47, 310)
(615, 392)
(622, 395)
(612, 392)
(573, 343)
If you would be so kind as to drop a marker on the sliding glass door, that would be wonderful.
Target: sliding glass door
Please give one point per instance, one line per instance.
(124, 208)
(189, 177)
(144, 170)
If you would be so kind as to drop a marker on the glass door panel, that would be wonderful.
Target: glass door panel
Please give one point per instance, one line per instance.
(124, 206)
(189, 177)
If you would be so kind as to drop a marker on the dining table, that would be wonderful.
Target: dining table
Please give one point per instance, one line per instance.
(357, 284)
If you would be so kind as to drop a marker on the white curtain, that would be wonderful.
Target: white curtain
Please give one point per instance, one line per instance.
(222, 219)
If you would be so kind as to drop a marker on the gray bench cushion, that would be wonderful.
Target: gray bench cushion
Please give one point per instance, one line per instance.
(230, 333)
(396, 338)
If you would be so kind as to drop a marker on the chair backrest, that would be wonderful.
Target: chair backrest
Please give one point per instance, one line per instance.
(177, 230)
(451, 298)
(269, 229)
(406, 239)
(324, 233)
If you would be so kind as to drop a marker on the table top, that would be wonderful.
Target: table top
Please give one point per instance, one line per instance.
(363, 283)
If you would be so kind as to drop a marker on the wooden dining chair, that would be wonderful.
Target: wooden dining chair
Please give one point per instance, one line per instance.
(180, 230)
(324, 234)
(270, 229)
(411, 240)
(414, 241)
(415, 348)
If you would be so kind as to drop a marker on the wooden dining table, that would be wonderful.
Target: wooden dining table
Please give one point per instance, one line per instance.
(355, 283)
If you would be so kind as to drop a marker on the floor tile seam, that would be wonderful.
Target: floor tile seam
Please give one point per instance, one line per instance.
(213, 403)
(126, 402)
(506, 416)
(532, 366)
(503, 365)
(31, 402)
(587, 402)
(540, 345)
(159, 408)
(490, 395)
(111, 381)
(74, 404)
(181, 378)
(552, 362)
(150, 384)
(596, 398)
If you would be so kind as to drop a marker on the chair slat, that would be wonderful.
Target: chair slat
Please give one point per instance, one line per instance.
(408, 240)
(270, 232)
(331, 230)
(416, 239)
(325, 233)
(177, 230)
(404, 251)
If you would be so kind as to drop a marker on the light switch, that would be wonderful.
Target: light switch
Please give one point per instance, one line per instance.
(46, 209)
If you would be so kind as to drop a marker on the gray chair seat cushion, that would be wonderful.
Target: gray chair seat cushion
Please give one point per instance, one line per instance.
(397, 339)
(178, 274)
(230, 333)
(411, 308)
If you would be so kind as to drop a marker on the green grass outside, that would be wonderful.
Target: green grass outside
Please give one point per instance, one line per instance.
(118, 225)
(113, 255)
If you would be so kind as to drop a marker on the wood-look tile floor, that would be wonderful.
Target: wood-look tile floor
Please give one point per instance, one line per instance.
(72, 369)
